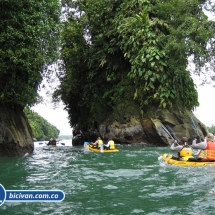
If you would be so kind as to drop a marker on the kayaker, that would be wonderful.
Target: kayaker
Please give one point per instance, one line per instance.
(54, 142)
(207, 147)
(182, 148)
(179, 146)
(50, 142)
(109, 145)
(98, 142)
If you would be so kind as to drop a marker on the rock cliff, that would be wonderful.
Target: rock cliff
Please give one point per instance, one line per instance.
(159, 128)
(15, 133)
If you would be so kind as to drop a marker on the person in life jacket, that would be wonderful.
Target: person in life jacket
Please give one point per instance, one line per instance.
(98, 143)
(109, 145)
(50, 142)
(207, 147)
(182, 148)
(54, 142)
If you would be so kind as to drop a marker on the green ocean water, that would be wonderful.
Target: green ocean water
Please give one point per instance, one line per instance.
(132, 181)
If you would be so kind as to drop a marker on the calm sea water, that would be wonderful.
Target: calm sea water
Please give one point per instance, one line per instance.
(132, 181)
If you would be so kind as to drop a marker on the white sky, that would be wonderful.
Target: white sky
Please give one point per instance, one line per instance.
(57, 117)
(206, 112)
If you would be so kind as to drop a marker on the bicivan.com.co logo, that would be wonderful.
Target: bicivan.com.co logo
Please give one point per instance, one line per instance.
(30, 195)
(2, 194)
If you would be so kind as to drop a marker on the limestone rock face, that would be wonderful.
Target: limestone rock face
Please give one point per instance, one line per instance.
(16, 137)
(160, 128)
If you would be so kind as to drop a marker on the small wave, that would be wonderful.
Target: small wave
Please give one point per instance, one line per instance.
(110, 187)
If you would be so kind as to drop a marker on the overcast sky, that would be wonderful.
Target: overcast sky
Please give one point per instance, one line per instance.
(57, 117)
(206, 111)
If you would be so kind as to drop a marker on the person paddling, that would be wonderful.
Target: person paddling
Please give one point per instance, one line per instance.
(110, 145)
(207, 147)
(54, 142)
(98, 143)
(182, 148)
(50, 142)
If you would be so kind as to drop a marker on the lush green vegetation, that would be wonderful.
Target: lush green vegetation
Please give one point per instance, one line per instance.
(211, 129)
(41, 128)
(128, 51)
(116, 55)
(29, 39)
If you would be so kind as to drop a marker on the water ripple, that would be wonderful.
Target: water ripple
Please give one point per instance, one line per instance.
(133, 181)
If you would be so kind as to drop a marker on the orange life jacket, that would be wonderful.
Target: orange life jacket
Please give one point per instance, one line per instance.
(210, 150)
(54, 142)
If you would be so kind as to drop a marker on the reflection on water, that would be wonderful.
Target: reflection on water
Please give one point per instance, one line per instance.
(133, 181)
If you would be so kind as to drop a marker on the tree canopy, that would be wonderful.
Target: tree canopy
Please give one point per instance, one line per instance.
(120, 51)
(41, 128)
(211, 129)
(29, 42)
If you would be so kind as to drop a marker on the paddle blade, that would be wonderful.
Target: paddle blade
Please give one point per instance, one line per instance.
(194, 125)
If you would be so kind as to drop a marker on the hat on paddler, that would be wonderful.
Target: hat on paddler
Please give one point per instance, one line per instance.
(183, 139)
(210, 136)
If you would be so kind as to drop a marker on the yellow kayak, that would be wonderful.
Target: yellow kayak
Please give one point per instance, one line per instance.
(90, 147)
(183, 161)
